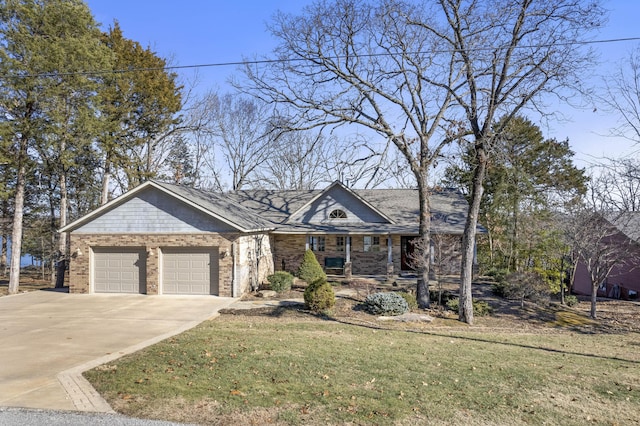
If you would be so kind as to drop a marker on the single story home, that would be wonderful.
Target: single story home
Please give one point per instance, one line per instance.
(624, 280)
(162, 238)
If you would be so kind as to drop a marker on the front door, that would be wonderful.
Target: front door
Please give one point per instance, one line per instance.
(407, 249)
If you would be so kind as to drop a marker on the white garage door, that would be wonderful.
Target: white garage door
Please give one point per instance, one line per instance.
(190, 271)
(117, 270)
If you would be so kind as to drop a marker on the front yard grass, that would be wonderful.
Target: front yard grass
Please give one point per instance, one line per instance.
(302, 369)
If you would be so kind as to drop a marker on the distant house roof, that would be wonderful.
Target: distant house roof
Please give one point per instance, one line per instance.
(626, 222)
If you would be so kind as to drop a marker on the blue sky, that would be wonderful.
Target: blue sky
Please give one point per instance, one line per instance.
(213, 31)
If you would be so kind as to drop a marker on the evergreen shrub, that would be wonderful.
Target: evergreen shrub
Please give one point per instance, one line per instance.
(310, 270)
(319, 296)
(280, 281)
(480, 308)
(386, 304)
(571, 300)
(410, 299)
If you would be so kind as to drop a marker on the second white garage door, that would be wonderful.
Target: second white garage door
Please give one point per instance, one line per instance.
(190, 271)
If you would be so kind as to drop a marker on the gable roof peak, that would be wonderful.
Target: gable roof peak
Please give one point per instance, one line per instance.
(338, 184)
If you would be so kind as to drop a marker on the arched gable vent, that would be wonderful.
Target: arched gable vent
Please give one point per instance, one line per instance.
(337, 214)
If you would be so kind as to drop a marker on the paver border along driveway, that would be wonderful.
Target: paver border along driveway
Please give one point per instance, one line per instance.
(47, 338)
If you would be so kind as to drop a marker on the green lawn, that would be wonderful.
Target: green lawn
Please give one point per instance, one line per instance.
(307, 370)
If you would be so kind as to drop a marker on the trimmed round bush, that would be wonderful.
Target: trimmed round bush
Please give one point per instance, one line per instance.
(310, 270)
(386, 304)
(280, 281)
(319, 296)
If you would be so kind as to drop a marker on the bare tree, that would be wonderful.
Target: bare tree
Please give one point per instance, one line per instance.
(601, 243)
(622, 96)
(239, 135)
(364, 64)
(424, 74)
(298, 161)
(446, 258)
(617, 184)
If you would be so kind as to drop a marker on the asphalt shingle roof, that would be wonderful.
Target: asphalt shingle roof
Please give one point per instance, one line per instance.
(269, 210)
(221, 206)
(448, 210)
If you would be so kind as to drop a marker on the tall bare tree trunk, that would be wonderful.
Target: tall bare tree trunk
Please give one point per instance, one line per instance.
(465, 306)
(3, 254)
(513, 255)
(61, 266)
(16, 235)
(106, 180)
(594, 300)
(422, 291)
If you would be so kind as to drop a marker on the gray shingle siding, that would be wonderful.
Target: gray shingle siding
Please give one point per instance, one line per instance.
(152, 211)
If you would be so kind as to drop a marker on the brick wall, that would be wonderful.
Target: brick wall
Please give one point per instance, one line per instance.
(290, 248)
(368, 263)
(82, 244)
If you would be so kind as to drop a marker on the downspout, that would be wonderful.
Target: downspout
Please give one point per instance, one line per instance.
(389, 256)
(234, 272)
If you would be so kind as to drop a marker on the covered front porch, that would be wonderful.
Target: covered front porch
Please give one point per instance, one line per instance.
(347, 254)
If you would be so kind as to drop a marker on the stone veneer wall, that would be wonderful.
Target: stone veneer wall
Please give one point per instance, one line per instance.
(80, 268)
(250, 248)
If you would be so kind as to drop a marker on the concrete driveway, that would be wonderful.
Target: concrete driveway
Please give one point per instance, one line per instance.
(47, 338)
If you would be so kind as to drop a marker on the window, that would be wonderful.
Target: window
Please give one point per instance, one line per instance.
(337, 214)
(340, 243)
(316, 243)
(371, 243)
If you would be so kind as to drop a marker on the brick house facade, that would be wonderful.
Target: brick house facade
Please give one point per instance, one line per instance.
(168, 239)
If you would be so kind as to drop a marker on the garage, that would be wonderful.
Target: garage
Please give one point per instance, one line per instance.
(190, 271)
(118, 270)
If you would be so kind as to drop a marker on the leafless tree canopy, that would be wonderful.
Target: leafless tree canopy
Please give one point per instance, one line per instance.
(238, 134)
(424, 74)
(616, 185)
(622, 96)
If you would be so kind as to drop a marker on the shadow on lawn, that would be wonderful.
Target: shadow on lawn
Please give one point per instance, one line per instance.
(529, 313)
(451, 335)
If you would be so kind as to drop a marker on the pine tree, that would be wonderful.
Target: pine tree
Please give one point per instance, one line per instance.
(310, 270)
(46, 48)
(528, 176)
(139, 102)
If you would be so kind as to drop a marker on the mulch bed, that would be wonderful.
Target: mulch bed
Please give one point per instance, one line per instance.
(614, 316)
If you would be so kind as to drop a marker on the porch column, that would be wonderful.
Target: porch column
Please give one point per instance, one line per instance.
(306, 243)
(347, 257)
(348, 249)
(389, 256)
